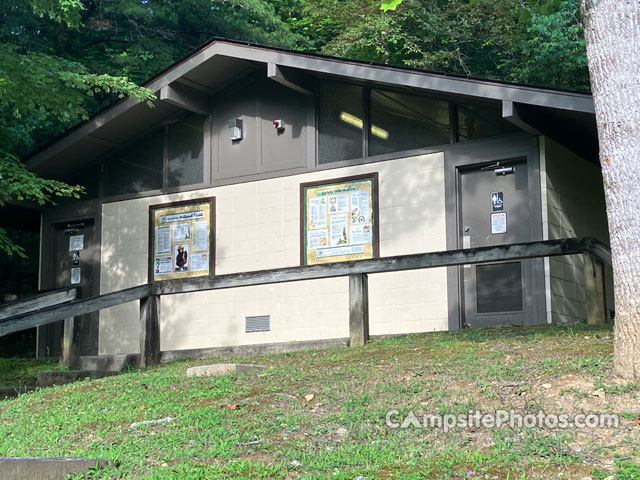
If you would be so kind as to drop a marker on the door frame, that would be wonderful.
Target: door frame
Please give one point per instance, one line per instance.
(464, 155)
(71, 213)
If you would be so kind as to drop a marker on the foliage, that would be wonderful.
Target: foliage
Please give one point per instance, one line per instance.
(390, 5)
(554, 52)
(18, 183)
(538, 42)
(41, 94)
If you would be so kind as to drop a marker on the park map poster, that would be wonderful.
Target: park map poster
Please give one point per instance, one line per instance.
(339, 220)
(181, 239)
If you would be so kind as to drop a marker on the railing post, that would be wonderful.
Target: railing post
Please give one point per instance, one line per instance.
(594, 289)
(149, 331)
(358, 309)
(68, 351)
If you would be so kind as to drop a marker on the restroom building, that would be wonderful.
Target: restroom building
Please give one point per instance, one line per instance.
(262, 137)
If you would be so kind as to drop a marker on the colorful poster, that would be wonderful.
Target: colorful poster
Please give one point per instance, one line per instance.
(360, 234)
(339, 204)
(182, 234)
(360, 207)
(338, 228)
(318, 238)
(339, 220)
(181, 257)
(162, 265)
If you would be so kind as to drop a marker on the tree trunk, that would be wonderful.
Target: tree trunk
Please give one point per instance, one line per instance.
(612, 33)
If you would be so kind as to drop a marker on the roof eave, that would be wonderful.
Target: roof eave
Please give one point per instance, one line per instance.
(426, 81)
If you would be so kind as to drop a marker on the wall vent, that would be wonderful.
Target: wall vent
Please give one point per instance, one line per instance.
(257, 324)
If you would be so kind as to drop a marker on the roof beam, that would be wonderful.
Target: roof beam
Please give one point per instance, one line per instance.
(510, 113)
(291, 79)
(195, 85)
(186, 98)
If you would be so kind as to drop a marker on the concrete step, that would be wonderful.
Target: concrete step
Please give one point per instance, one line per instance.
(28, 468)
(222, 369)
(62, 377)
(108, 363)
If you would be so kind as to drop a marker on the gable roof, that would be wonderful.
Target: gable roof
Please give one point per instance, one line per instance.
(217, 63)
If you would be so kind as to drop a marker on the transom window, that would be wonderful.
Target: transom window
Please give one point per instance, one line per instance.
(170, 157)
(355, 122)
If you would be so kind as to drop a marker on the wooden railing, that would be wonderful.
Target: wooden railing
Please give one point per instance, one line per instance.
(23, 316)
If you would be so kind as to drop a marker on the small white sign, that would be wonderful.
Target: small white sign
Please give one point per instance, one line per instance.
(76, 275)
(76, 242)
(498, 223)
(162, 265)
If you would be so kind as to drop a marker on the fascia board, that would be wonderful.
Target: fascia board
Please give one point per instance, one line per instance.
(424, 81)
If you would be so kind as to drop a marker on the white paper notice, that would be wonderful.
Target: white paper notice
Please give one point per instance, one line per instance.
(339, 203)
(360, 234)
(360, 207)
(162, 265)
(180, 232)
(317, 238)
(76, 275)
(200, 236)
(498, 223)
(199, 261)
(318, 212)
(76, 242)
(163, 239)
(338, 229)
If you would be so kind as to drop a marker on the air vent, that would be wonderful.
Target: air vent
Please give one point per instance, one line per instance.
(257, 324)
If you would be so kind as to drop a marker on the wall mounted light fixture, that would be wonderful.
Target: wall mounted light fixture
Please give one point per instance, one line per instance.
(235, 129)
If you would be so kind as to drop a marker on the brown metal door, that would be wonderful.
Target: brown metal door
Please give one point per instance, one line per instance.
(494, 210)
(72, 265)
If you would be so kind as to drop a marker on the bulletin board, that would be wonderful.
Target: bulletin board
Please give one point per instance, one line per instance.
(181, 239)
(339, 220)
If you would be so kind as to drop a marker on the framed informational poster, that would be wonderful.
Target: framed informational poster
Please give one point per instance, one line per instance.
(181, 239)
(339, 220)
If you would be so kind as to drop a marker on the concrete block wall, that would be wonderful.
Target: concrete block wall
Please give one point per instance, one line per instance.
(258, 227)
(572, 206)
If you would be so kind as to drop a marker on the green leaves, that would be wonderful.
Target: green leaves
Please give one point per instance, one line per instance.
(40, 95)
(390, 5)
(61, 11)
(538, 42)
(18, 183)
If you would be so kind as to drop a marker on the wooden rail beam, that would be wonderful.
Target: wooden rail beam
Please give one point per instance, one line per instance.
(518, 251)
(74, 308)
(42, 300)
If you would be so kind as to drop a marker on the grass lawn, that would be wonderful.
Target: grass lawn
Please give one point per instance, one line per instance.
(322, 414)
